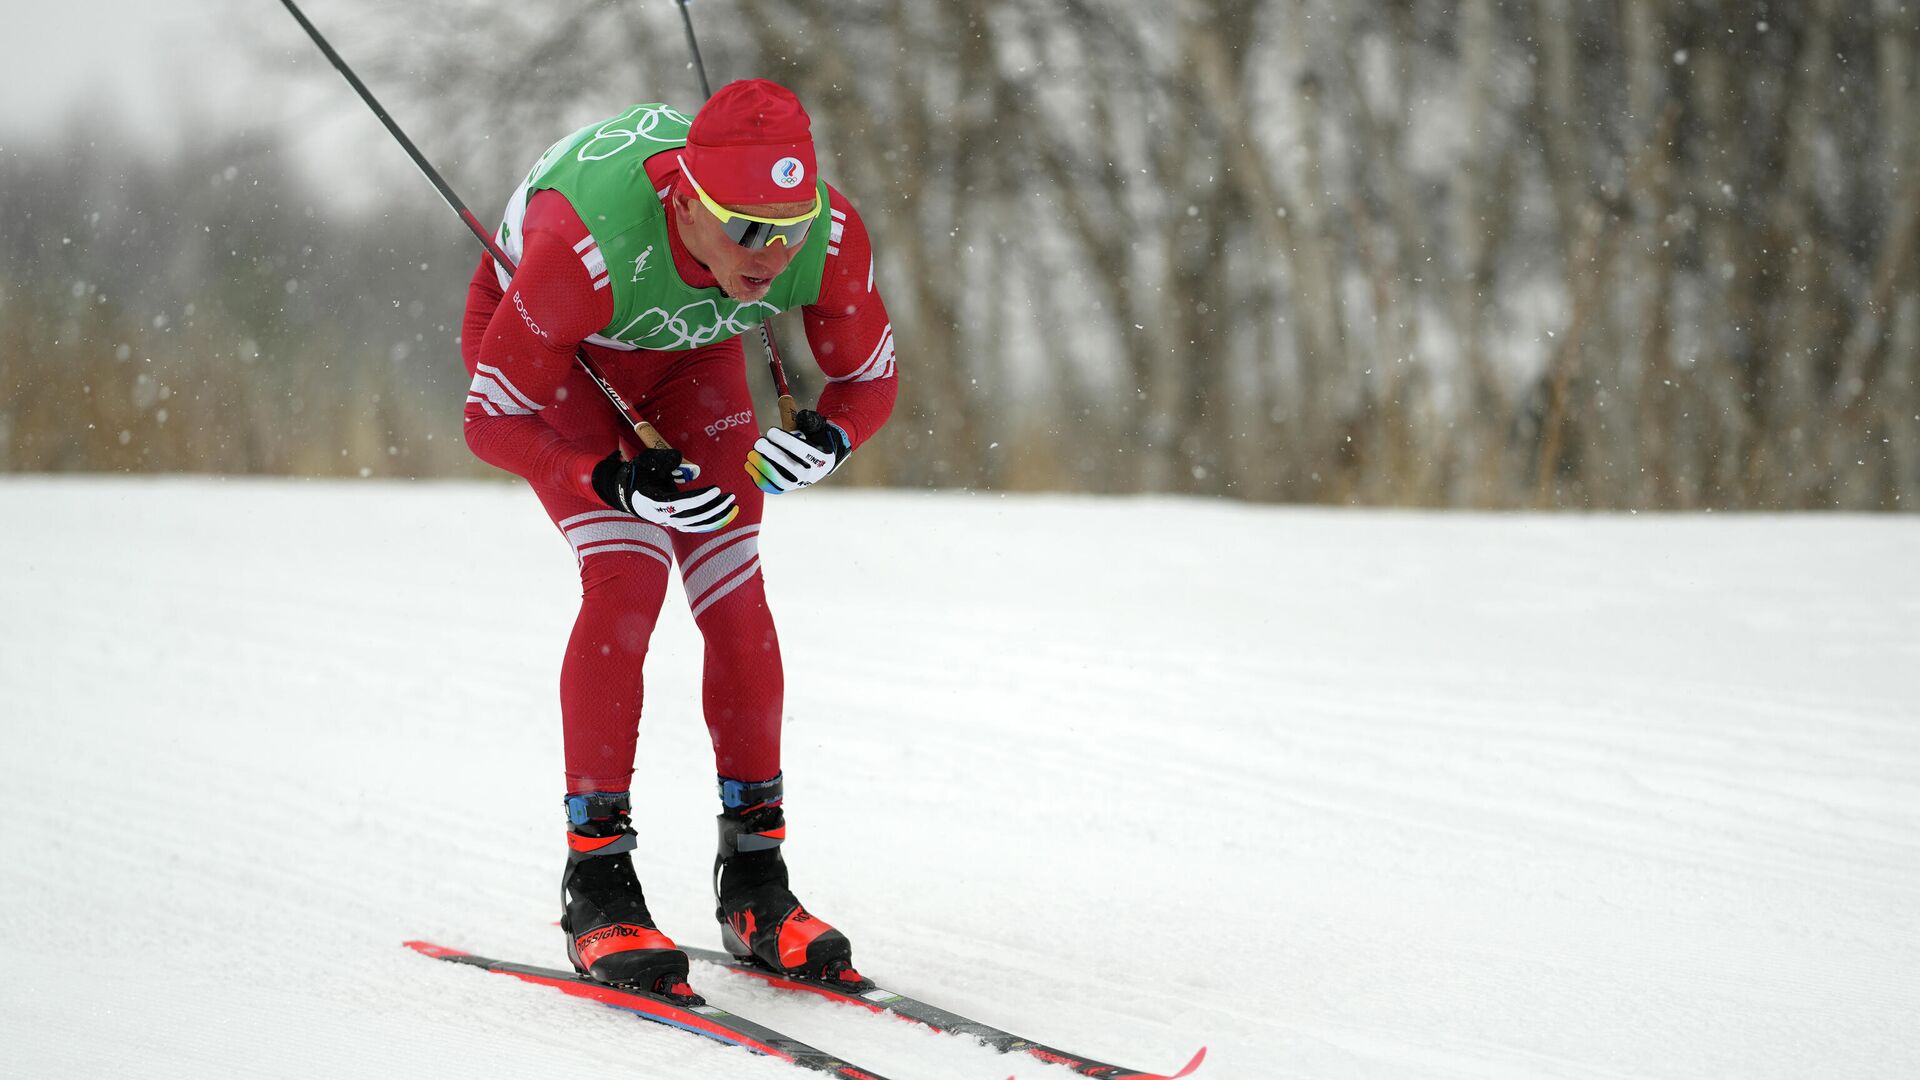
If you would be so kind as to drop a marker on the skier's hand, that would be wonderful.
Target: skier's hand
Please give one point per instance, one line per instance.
(646, 488)
(783, 461)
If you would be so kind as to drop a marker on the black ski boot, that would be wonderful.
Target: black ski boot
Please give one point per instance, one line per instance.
(760, 919)
(610, 934)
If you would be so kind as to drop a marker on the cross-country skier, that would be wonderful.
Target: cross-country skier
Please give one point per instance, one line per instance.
(658, 241)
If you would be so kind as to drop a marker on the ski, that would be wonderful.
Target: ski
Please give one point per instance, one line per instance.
(700, 1018)
(875, 998)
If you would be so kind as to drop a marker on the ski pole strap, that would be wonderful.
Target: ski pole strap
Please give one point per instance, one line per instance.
(740, 795)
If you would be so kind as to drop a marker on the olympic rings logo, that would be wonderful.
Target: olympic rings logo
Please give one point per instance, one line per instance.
(646, 121)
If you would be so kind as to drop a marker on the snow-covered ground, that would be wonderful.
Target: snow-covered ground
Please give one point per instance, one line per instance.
(1336, 794)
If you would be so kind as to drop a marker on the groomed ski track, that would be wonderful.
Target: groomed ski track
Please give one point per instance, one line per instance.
(1336, 794)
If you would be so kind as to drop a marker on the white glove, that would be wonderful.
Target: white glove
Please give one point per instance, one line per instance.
(648, 488)
(783, 461)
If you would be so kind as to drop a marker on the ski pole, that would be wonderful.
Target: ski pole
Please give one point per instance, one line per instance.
(788, 406)
(645, 432)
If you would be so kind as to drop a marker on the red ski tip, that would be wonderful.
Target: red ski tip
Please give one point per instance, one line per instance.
(428, 948)
(1191, 1065)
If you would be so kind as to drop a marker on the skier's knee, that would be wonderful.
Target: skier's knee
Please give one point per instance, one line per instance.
(625, 578)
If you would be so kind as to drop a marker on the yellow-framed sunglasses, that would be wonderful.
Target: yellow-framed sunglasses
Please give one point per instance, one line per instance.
(754, 233)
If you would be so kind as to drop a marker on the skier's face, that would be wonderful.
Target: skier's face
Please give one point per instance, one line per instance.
(742, 274)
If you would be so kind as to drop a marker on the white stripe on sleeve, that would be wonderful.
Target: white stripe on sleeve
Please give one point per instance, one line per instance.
(879, 363)
(507, 384)
(495, 396)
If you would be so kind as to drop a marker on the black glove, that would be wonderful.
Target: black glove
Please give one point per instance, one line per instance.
(783, 461)
(645, 488)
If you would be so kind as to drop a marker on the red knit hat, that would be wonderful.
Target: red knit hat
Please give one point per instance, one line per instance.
(752, 143)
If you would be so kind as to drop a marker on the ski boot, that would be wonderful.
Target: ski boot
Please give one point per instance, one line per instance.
(760, 920)
(610, 934)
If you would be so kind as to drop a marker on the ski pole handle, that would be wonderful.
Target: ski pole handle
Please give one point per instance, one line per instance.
(789, 408)
(651, 438)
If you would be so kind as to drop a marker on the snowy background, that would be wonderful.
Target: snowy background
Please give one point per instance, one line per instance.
(1336, 794)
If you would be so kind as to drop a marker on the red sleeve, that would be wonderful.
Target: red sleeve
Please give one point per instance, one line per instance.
(527, 348)
(848, 328)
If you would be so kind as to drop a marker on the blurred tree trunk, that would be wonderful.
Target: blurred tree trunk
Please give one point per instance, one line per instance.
(1657, 384)
(1874, 391)
(1318, 305)
(1581, 229)
(1472, 252)
(1805, 321)
(1390, 246)
(1270, 221)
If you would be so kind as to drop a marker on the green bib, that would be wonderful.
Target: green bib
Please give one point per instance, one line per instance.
(601, 169)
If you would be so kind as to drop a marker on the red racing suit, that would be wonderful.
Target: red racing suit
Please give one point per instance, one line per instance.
(533, 412)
